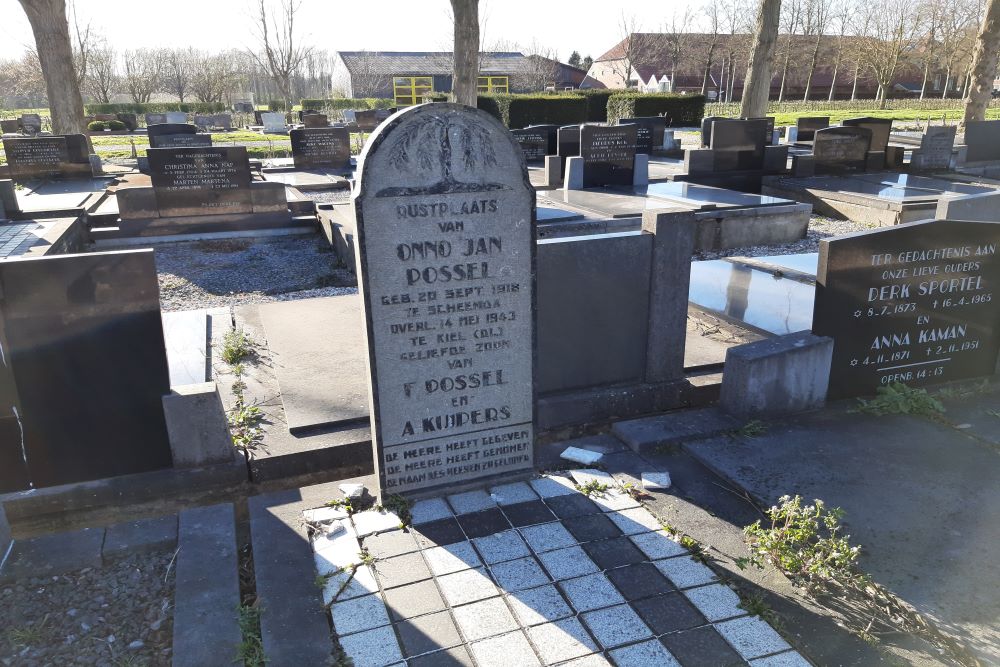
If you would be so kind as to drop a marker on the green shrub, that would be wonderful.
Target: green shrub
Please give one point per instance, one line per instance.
(155, 107)
(435, 97)
(115, 125)
(680, 110)
(496, 105)
(339, 103)
(528, 110)
(597, 103)
(276, 105)
(97, 126)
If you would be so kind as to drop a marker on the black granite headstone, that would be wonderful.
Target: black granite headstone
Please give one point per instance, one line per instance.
(176, 135)
(649, 133)
(534, 144)
(769, 136)
(706, 129)
(911, 303)
(568, 141)
(156, 119)
(57, 156)
(322, 147)
(840, 149)
(608, 154)
(31, 123)
(200, 181)
(881, 129)
(808, 125)
(738, 144)
(84, 369)
(982, 138)
(315, 120)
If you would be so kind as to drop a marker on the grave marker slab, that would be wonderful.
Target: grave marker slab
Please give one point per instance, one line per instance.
(649, 132)
(936, 147)
(445, 243)
(176, 135)
(176, 117)
(534, 143)
(738, 144)
(807, 126)
(273, 122)
(568, 141)
(51, 156)
(315, 120)
(608, 154)
(200, 181)
(31, 122)
(840, 149)
(155, 119)
(321, 147)
(881, 129)
(982, 137)
(911, 303)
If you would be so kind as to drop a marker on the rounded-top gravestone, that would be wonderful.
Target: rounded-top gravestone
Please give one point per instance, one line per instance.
(445, 241)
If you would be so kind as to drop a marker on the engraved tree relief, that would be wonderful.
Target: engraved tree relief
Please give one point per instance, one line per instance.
(439, 144)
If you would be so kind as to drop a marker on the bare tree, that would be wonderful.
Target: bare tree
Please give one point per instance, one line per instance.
(757, 87)
(83, 43)
(637, 50)
(815, 21)
(55, 55)
(22, 78)
(279, 53)
(213, 77)
(711, 10)
(863, 22)
(539, 70)
(958, 20)
(984, 64)
(465, 54)
(103, 78)
(841, 13)
(141, 74)
(179, 66)
(676, 40)
(365, 77)
(892, 27)
(791, 17)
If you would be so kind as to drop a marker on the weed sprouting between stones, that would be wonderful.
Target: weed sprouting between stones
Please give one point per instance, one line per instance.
(399, 506)
(592, 488)
(32, 635)
(250, 652)
(899, 399)
(237, 345)
(344, 504)
(244, 418)
(751, 429)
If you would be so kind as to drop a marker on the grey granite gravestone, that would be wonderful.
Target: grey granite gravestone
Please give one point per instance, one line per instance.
(841, 149)
(200, 180)
(446, 251)
(273, 122)
(982, 137)
(315, 120)
(155, 119)
(61, 155)
(31, 123)
(176, 117)
(807, 126)
(321, 147)
(881, 129)
(910, 303)
(936, 147)
(608, 154)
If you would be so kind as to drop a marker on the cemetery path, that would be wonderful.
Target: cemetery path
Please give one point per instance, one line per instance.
(920, 498)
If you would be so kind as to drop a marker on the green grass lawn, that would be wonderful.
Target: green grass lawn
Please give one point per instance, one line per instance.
(912, 115)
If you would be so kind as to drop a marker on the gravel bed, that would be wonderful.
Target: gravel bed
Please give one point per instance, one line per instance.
(820, 227)
(120, 614)
(223, 273)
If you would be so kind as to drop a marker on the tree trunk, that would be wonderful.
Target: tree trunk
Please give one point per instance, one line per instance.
(812, 69)
(55, 54)
(836, 69)
(784, 71)
(947, 82)
(923, 85)
(857, 73)
(466, 52)
(757, 87)
(708, 69)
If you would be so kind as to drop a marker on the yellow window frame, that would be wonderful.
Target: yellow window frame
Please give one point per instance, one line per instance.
(494, 84)
(410, 90)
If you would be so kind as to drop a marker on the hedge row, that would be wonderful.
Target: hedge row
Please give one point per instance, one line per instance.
(597, 104)
(680, 110)
(339, 103)
(155, 107)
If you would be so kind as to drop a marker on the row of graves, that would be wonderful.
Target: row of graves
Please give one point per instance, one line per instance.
(26, 124)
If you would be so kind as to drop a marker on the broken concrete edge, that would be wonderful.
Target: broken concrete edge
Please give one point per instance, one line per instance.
(673, 428)
(197, 426)
(207, 588)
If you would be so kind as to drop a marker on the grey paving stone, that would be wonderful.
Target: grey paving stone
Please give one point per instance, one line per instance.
(207, 588)
(752, 637)
(572, 505)
(142, 536)
(363, 613)
(519, 574)
(552, 486)
(451, 558)
(401, 570)
(350, 583)
(438, 533)
(640, 580)
(635, 520)
(539, 605)
(786, 659)
(716, 602)
(668, 613)
(414, 600)
(500, 547)
(53, 554)
(428, 633)
(483, 619)
(657, 545)
(467, 586)
(685, 572)
(325, 514)
(392, 543)
(511, 650)
(673, 428)
(613, 501)
(590, 592)
(567, 563)
(562, 640)
(432, 509)
(512, 494)
(701, 647)
(471, 501)
(644, 654)
(454, 657)
(372, 648)
(547, 537)
(336, 547)
(614, 553)
(486, 522)
(593, 660)
(590, 528)
(528, 514)
(374, 521)
(616, 626)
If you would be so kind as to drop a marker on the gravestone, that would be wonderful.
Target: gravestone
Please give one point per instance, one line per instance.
(841, 149)
(936, 147)
(366, 119)
(209, 121)
(807, 126)
(200, 180)
(608, 154)
(81, 333)
(315, 120)
(738, 144)
(10, 126)
(445, 244)
(316, 148)
(982, 138)
(649, 132)
(273, 122)
(243, 107)
(534, 143)
(706, 129)
(156, 119)
(176, 117)
(568, 141)
(550, 132)
(176, 135)
(31, 122)
(61, 155)
(881, 129)
(130, 120)
(769, 120)
(911, 303)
